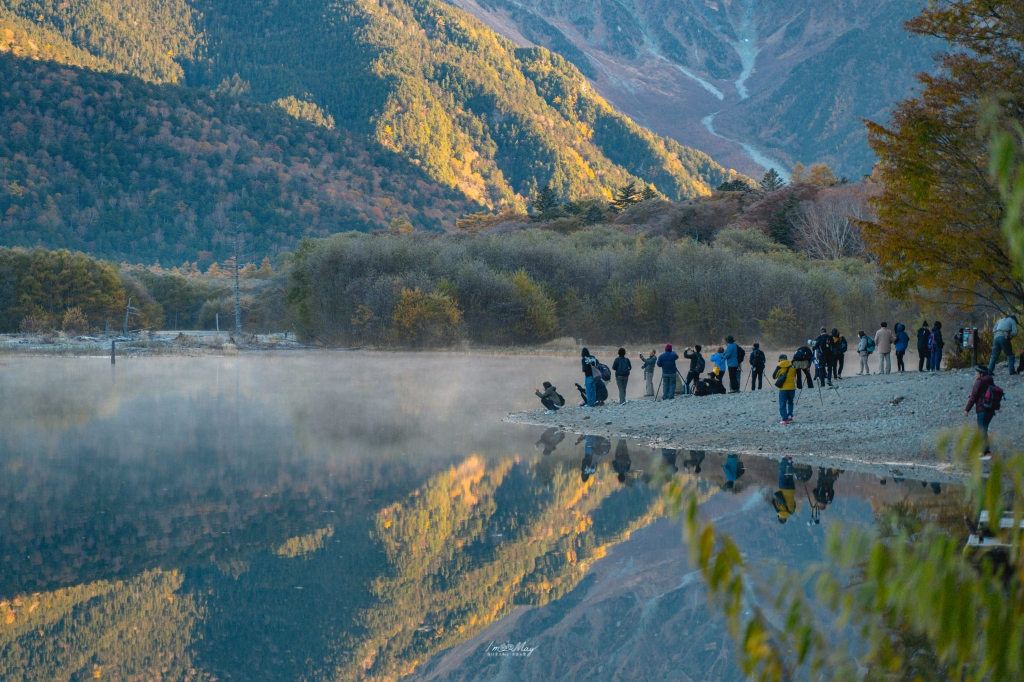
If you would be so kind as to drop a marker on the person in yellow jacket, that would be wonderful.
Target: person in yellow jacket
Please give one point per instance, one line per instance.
(784, 501)
(787, 390)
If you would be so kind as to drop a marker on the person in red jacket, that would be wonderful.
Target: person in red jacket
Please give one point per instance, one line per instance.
(977, 399)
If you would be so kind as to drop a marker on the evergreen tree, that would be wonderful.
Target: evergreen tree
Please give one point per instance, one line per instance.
(593, 215)
(771, 181)
(650, 192)
(625, 197)
(781, 223)
(733, 186)
(545, 203)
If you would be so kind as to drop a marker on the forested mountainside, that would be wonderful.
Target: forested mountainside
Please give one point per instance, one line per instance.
(793, 79)
(421, 88)
(116, 166)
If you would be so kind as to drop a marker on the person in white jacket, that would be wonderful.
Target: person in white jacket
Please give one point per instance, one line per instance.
(883, 344)
(1002, 342)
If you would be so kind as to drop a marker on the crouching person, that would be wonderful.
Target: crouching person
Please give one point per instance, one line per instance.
(550, 398)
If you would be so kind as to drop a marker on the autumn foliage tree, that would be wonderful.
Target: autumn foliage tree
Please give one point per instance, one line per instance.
(937, 235)
(425, 319)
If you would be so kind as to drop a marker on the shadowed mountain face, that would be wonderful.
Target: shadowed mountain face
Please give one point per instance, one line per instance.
(752, 82)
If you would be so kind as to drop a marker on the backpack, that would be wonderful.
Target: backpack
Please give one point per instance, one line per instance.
(740, 353)
(606, 374)
(993, 399)
(802, 353)
(931, 341)
(757, 358)
(699, 369)
(559, 400)
(843, 346)
(871, 346)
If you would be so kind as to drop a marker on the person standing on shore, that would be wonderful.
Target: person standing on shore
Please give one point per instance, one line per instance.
(802, 359)
(824, 356)
(732, 363)
(667, 362)
(758, 360)
(696, 367)
(649, 363)
(787, 388)
(924, 360)
(901, 345)
(986, 398)
(1002, 341)
(864, 353)
(622, 367)
(589, 364)
(883, 344)
(839, 348)
(935, 345)
(718, 360)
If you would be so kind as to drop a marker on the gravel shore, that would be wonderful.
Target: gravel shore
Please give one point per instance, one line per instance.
(886, 425)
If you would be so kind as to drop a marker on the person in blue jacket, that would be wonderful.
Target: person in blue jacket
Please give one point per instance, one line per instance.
(667, 362)
(732, 363)
(902, 343)
(718, 360)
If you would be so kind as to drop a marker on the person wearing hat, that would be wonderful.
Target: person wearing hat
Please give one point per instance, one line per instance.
(787, 391)
(589, 363)
(982, 382)
(667, 362)
(823, 357)
(1002, 342)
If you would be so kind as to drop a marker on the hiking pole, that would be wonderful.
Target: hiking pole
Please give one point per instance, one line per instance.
(681, 382)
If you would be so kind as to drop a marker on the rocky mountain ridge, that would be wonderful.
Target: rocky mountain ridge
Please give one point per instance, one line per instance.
(753, 83)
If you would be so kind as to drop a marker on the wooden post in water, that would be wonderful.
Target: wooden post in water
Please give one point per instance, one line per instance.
(112, 342)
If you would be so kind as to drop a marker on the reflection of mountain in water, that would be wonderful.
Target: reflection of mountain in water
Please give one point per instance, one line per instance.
(434, 569)
(138, 629)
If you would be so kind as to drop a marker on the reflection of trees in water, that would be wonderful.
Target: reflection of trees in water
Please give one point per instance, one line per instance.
(479, 540)
(134, 629)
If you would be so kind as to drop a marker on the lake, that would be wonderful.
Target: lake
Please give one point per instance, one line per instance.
(364, 516)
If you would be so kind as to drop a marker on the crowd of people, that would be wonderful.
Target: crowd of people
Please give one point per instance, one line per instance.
(825, 354)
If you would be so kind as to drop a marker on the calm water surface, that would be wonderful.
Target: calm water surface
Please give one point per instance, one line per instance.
(362, 517)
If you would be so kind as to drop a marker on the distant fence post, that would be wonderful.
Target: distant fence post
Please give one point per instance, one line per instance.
(112, 342)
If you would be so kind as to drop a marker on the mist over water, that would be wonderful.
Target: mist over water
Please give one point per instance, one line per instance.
(332, 515)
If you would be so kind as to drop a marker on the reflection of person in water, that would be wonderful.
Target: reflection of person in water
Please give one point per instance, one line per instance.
(733, 469)
(622, 462)
(784, 500)
(669, 457)
(804, 472)
(824, 493)
(694, 460)
(594, 447)
(937, 488)
(550, 439)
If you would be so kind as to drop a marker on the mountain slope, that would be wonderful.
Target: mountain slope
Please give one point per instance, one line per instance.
(420, 77)
(116, 166)
(789, 79)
